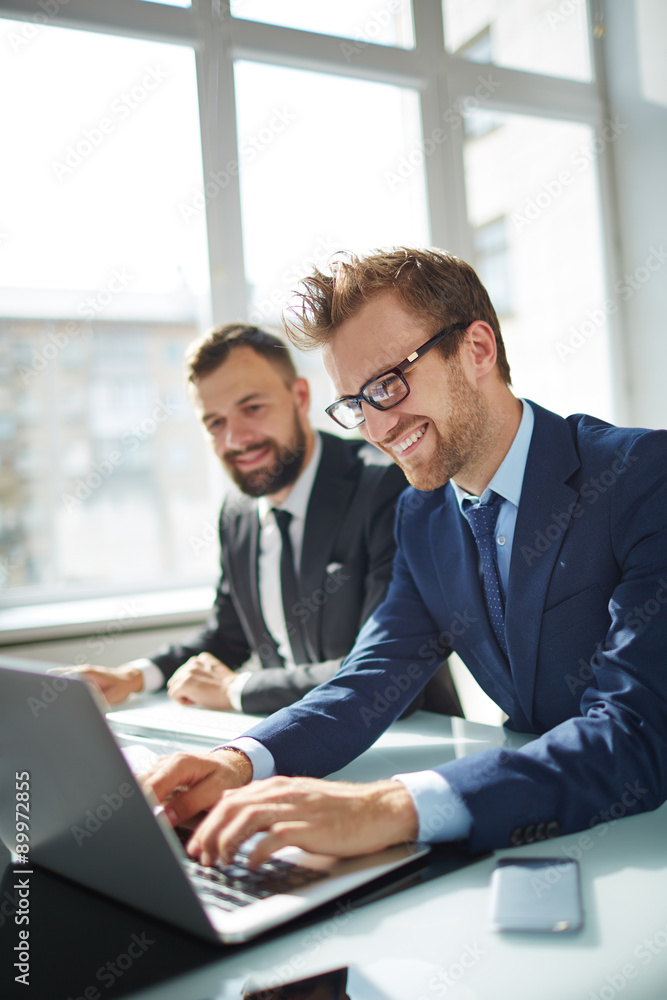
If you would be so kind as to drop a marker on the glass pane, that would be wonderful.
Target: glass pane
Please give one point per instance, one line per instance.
(538, 248)
(105, 168)
(325, 166)
(541, 36)
(365, 21)
(103, 472)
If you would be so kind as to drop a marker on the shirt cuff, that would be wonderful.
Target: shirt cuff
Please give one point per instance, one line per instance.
(235, 689)
(442, 813)
(153, 676)
(263, 764)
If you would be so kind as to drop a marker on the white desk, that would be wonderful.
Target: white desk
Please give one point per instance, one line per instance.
(433, 941)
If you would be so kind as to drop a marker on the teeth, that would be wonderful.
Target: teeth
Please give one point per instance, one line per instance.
(409, 440)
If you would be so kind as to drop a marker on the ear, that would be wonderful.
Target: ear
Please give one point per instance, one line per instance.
(301, 393)
(479, 349)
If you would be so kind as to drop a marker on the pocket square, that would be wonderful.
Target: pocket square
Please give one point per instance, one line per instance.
(334, 567)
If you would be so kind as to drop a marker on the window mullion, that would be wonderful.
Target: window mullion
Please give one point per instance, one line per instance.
(617, 320)
(220, 159)
(133, 18)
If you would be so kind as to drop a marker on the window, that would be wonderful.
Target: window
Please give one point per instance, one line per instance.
(492, 263)
(365, 21)
(322, 168)
(320, 171)
(103, 275)
(537, 245)
(117, 247)
(535, 35)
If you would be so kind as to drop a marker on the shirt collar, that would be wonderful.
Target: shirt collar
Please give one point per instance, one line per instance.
(299, 496)
(508, 480)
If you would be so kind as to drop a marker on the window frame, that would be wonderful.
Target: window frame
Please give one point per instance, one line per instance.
(444, 81)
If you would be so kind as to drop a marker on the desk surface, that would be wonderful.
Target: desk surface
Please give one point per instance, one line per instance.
(433, 940)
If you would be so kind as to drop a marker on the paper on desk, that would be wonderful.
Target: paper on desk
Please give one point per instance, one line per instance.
(158, 714)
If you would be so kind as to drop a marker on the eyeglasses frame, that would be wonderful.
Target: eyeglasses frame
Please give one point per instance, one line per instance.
(398, 370)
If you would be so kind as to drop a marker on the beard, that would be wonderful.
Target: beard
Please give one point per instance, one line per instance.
(460, 437)
(283, 469)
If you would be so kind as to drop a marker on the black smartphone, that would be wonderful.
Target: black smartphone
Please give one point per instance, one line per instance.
(536, 894)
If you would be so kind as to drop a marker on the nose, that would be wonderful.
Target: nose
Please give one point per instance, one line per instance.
(237, 435)
(378, 423)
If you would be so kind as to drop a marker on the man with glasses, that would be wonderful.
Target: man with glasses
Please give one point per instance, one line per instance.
(533, 546)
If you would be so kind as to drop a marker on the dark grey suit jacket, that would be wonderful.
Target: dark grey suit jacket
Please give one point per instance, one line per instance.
(346, 562)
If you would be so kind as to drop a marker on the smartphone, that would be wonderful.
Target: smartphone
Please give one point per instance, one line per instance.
(536, 894)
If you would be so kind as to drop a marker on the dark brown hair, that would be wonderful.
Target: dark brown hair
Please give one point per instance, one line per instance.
(432, 283)
(212, 350)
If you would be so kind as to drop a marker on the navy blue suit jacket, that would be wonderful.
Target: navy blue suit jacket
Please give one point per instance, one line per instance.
(586, 626)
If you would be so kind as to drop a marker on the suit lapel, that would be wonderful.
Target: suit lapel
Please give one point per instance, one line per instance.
(329, 502)
(545, 510)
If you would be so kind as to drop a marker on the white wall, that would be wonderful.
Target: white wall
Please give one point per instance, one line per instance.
(635, 46)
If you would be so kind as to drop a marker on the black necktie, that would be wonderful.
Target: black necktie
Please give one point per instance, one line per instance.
(288, 586)
(482, 518)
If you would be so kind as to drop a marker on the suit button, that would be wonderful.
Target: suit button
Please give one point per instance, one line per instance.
(539, 832)
(553, 829)
(529, 835)
(516, 836)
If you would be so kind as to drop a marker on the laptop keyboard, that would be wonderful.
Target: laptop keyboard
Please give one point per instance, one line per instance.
(231, 886)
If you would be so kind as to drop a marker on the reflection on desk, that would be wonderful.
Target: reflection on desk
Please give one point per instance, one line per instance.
(84, 945)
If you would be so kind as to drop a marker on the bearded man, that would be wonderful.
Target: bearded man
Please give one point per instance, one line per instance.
(306, 543)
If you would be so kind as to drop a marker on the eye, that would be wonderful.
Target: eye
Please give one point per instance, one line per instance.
(254, 408)
(385, 388)
(213, 425)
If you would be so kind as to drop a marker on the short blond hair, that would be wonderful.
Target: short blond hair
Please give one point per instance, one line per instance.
(432, 283)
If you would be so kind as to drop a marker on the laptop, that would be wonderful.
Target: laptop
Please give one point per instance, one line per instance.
(90, 822)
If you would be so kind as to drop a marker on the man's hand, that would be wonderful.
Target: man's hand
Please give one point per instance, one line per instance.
(202, 680)
(115, 683)
(324, 817)
(187, 784)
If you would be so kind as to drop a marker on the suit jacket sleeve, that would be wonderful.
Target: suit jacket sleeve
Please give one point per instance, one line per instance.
(274, 687)
(268, 690)
(373, 687)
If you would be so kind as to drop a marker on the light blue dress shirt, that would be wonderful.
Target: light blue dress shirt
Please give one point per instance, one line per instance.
(441, 811)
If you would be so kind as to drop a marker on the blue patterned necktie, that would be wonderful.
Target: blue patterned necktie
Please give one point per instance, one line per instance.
(482, 518)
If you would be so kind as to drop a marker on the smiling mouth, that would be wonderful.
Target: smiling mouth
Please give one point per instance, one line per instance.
(402, 446)
(251, 457)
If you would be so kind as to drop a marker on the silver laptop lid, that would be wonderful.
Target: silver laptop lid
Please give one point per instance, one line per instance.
(88, 819)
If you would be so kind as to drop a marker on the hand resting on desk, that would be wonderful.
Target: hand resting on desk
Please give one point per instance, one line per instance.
(326, 817)
(115, 683)
(202, 680)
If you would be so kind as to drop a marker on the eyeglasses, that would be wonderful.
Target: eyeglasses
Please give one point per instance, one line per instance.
(383, 391)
